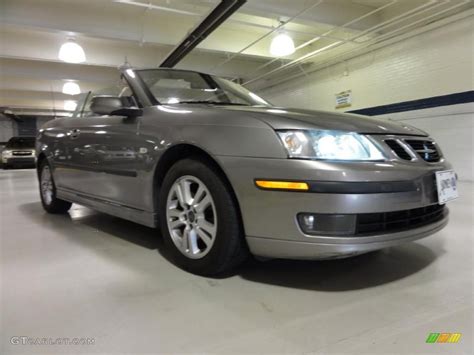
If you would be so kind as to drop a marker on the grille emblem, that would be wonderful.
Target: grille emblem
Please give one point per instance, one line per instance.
(426, 150)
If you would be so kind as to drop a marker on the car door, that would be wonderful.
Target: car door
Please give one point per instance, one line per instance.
(104, 156)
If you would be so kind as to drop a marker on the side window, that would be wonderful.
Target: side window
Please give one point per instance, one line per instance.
(120, 89)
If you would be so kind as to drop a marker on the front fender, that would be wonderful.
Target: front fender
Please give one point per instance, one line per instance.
(254, 142)
(221, 133)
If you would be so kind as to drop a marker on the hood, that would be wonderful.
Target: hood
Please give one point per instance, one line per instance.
(291, 118)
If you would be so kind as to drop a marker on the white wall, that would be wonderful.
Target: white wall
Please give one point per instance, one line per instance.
(434, 63)
(453, 129)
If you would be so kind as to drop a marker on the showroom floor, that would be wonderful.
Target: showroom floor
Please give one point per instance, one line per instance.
(91, 275)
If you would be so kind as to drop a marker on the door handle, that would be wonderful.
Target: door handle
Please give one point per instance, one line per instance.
(74, 133)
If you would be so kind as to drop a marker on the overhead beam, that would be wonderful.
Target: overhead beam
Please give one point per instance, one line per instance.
(6, 112)
(212, 21)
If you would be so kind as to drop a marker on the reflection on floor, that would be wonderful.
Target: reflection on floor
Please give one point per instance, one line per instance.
(91, 275)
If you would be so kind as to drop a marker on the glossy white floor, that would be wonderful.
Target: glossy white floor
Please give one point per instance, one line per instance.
(91, 275)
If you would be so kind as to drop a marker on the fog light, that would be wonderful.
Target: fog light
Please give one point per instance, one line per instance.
(327, 224)
(308, 220)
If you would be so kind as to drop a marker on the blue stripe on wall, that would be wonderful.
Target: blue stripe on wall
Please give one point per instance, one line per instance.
(436, 101)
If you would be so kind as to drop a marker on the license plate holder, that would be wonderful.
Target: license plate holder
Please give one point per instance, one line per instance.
(446, 185)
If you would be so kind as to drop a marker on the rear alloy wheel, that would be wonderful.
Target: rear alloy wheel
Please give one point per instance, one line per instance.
(50, 202)
(199, 219)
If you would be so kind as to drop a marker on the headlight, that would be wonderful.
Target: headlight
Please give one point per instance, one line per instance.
(329, 145)
(6, 153)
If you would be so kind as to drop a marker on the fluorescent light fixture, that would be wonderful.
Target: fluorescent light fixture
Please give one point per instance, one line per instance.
(71, 88)
(71, 52)
(70, 105)
(148, 5)
(282, 45)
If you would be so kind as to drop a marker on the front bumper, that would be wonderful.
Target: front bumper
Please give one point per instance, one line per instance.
(331, 247)
(17, 161)
(270, 217)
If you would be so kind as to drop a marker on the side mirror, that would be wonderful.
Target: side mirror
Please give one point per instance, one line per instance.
(114, 105)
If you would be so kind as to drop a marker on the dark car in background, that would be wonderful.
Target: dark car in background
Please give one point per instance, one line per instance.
(19, 152)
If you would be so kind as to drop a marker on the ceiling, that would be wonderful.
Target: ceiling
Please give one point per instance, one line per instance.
(143, 32)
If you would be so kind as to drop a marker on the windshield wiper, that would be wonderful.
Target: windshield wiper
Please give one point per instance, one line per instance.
(211, 102)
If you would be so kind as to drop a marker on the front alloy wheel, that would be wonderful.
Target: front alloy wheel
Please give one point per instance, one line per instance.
(191, 216)
(200, 219)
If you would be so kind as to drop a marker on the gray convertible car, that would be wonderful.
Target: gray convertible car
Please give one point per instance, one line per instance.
(224, 174)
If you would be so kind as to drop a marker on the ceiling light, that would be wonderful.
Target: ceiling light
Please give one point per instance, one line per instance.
(70, 105)
(71, 88)
(71, 52)
(282, 45)
(149, 6)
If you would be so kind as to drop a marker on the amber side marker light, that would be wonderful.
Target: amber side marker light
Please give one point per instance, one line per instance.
(282, 185)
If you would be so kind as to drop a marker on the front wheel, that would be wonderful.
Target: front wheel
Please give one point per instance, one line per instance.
(199, 219)
(50, 202)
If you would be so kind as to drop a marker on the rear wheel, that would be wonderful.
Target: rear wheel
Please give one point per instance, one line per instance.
(199, 219)
(50, 202)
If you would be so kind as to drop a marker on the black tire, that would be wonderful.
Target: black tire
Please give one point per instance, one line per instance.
(55, 205)
(229, 248)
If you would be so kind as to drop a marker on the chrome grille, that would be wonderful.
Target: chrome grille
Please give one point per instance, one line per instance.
(412, 148)
(426, 149)
(21, 153)
(398, 149)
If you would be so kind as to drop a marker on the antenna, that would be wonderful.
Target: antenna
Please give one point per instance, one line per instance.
(125, 65)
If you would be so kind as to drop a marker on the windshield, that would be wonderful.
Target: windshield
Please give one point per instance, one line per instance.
(21, 143)
(185, 87)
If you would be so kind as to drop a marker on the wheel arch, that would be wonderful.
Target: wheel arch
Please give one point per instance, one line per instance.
(183, 151)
